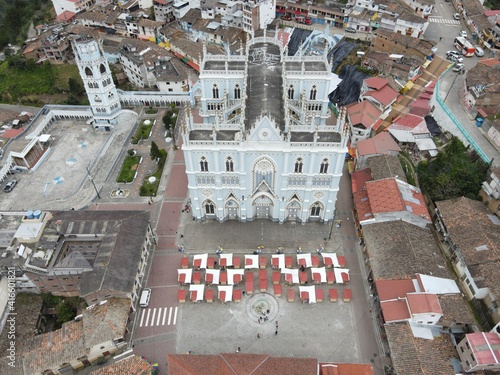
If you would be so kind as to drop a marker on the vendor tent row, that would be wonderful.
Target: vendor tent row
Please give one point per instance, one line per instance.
(204, 274)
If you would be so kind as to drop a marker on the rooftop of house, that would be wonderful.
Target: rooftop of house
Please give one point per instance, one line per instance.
(485, 346)
(485, 75)
(382, 143)
(415, 124)
(392, 289)
(359, 179)
(364, 113)
(386, 166)
(257, 364)
(412, 355)
(131, 365)
(399, 250)
(474, 231)
(385, 95)
(421, 45)
(393, 195)
(423, 303)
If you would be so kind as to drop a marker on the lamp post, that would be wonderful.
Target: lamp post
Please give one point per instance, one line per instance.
(331, 225)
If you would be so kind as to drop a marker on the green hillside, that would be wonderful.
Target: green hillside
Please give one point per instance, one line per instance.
(16, 16)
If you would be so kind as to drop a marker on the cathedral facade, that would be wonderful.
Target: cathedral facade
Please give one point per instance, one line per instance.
(262, 141)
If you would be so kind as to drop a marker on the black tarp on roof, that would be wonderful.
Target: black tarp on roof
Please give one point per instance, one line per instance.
(432, 125)
(298, 37)
(340, 52)
(348, 90)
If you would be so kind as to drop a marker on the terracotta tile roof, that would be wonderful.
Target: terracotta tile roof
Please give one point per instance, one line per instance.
(132, 365)
(423, 303)
(376, 83)
(413, 123)
(364, 113)
(149, 23)
(415, 356)
(455, 309)
(105, 321)
(470, 228)
(395, 310)
(485, 346)
(385, 166)
(230, 364)
(399, 250)
(392, 289)
(487, 275)
(385, 95)
(391, 195)
(420, 107)
(362, 205)
(422, 45)
(485, 73)
(55, 348)
(382, 143)
(330, 368)
(359, 179)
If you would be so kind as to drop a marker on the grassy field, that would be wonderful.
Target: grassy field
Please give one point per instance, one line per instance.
(26, 84)
(129, 168)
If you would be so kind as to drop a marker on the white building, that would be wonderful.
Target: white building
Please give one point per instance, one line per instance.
(98, 82)
(263, 142)
(74, 6)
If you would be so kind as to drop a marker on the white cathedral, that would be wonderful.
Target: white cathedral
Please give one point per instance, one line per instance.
(263, 142)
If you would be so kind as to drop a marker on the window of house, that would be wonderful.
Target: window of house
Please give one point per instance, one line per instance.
(237, 92)
(291, 92)
(215, 92)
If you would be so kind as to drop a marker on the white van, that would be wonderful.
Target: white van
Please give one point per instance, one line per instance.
(479, 52)
(145, 296)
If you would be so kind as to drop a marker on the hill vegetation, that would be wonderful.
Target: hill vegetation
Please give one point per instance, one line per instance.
(16, 17)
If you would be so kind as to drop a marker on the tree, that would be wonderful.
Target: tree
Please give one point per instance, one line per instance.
(64, 312)
(154, 151)
(75, 87)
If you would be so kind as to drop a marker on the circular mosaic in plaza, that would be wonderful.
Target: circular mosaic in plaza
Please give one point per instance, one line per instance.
(263, 307)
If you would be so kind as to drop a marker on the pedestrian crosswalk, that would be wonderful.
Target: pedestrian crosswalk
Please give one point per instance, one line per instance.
(443, 20)
(158, 316)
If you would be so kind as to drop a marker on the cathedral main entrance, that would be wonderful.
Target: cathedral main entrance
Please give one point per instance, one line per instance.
(262, 207)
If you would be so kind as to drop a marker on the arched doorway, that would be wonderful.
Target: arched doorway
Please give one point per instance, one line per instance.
(262, 207)
(231, 209)
(293, 210)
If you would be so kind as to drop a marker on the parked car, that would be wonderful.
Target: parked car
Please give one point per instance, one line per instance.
(286, 18)
(450, 53)
(456, 16)
(458, 68)
(463, 33)
(305, 21)
(457, 59)
(351, 30)
(9, 186)
(479, 51)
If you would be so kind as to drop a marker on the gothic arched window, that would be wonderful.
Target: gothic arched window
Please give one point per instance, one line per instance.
(102, 69)
(316, 209)
(88, 72)
(323, 168)
(312, 95)
(229, 165)
(298, 166)
(209, 208)
(204, 164)
(215, 92)
(237, 92)
(291, 92)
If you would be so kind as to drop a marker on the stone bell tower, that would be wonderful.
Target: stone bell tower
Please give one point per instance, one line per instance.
(98, 82)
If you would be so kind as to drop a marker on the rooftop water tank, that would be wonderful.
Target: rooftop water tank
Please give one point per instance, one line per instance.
(37, 214)
(29, 214)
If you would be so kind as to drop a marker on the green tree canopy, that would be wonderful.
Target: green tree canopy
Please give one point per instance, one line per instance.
(456, 171)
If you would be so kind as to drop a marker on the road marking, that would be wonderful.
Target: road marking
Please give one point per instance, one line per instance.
(153, 317)
(159, 316)
(443, 20)
(142, 317)
(169, 316)
(175, 315)
(164, 316)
